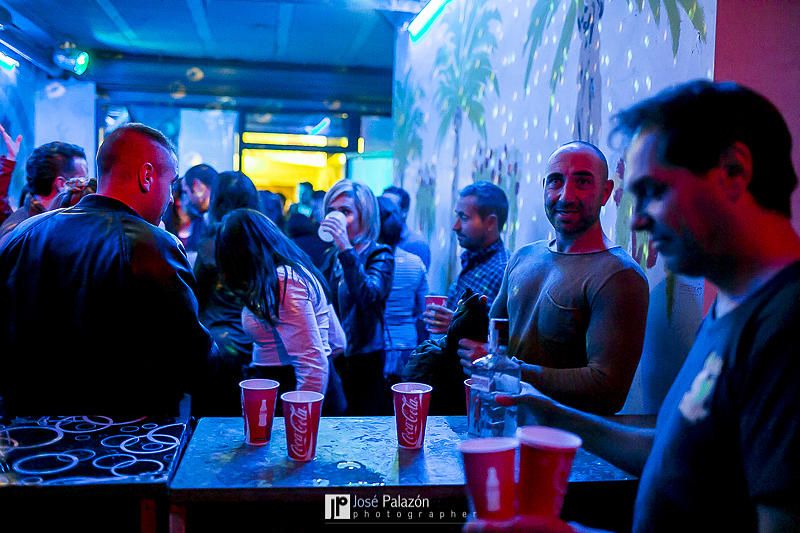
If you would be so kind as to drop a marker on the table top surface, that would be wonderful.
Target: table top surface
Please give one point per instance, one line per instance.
(89, 450)
(351, 453)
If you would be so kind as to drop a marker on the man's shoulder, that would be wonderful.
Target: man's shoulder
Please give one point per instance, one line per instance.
(779, 300)
(415, 238)
(152, 251)
(416, 244)
(530, 252)
(619, 260)
(20, 225)
(408, 259)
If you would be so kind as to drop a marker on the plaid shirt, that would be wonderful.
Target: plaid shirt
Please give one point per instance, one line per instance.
(481, 271)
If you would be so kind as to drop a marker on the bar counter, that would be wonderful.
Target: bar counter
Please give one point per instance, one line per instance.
(221, 475)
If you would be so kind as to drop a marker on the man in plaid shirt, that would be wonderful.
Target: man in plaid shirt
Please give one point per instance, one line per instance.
(481, 212)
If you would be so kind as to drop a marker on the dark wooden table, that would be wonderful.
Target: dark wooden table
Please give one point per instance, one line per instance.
(357, 457)
(93, 473)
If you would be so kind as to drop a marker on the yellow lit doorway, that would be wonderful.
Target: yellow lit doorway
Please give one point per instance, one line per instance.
(280, 171)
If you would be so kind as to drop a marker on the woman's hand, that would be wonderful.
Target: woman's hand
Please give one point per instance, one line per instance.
(337, 230)
(12, 146)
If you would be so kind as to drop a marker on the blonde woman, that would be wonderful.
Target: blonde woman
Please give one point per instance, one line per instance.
(359, 272)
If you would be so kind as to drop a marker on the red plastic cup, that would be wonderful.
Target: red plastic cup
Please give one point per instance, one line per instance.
(467, 391)
(301, 412)
(489, 469)
(546, 456)
(411, 402)
(435, 299)
(258, 409)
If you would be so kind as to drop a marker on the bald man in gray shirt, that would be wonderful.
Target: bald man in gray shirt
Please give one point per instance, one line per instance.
(577, 305)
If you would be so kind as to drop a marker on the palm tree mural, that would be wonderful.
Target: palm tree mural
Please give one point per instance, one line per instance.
(426, 200)
(585, 15)
(501, 166)
(463, 70)
(409, 121)
(692, 8)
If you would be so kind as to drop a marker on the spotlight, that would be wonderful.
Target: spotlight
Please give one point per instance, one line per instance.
(71, 58)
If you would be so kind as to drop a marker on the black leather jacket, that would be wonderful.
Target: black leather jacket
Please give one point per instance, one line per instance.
(362, 282)
(97, 315)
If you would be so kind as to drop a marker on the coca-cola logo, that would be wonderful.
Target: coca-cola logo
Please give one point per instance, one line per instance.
(300, 441)
(409, 406)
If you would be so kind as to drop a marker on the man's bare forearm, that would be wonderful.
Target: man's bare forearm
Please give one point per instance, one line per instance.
(586, 388)
(623, 446)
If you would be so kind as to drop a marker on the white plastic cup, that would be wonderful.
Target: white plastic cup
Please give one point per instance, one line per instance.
(323, 234)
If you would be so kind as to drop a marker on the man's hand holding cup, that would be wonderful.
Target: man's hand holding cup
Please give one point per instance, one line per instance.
(437, 317)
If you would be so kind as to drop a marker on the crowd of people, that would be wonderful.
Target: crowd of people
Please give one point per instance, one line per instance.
(104, 312)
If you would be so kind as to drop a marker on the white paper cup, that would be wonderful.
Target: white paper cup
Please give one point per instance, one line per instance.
(323, 234)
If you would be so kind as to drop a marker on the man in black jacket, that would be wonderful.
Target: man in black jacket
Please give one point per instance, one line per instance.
(97, 311)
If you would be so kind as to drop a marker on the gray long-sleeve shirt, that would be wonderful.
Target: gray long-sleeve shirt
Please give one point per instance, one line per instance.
(581, 317)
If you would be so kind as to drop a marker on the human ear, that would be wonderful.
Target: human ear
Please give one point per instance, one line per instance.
(146, 175)
(493, 222)
(736, 163)
(608, 188)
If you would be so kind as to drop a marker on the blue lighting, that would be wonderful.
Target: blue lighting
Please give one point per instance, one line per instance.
(425, 19)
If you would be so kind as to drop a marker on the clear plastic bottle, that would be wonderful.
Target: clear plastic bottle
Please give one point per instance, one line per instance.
(495, 372)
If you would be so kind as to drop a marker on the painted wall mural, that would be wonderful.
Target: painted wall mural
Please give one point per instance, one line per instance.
(497, 85)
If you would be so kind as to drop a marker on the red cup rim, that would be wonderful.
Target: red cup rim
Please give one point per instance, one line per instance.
(488, 445)
(302, 396)
(468, 384)
(417, 386)
(259, 384)
(548, 438)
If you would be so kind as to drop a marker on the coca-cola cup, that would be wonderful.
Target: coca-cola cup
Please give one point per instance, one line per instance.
(301, 412)
(411, 402)
(545, 461)
(489, 469)
(258, 409)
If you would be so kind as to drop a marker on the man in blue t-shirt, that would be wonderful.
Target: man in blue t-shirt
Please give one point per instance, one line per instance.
(711, 171)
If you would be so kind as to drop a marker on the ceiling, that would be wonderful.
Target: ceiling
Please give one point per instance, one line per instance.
(296, 54)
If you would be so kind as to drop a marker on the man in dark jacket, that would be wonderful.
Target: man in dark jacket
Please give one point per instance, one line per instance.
(97, 311)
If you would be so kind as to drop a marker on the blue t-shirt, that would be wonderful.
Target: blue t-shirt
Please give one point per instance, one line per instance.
(728, 433)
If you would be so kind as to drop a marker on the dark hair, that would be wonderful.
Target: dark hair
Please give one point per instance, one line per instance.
(203, 173)
(491, 200)
(49, 161)
(272, 207)
(391, 222)
(699, 120)
(405, 199)
(249, 249)
(113, 147)
(233, 190)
